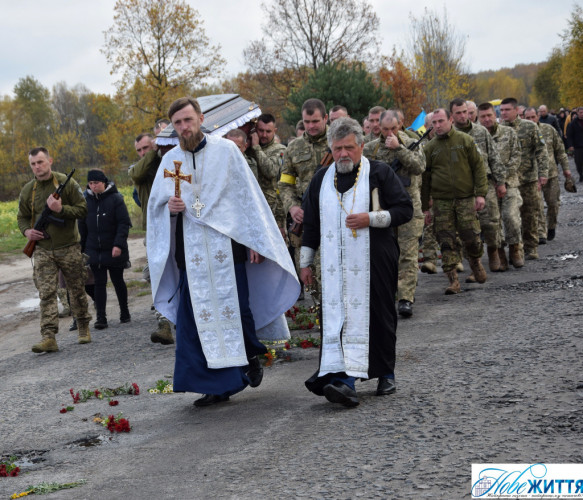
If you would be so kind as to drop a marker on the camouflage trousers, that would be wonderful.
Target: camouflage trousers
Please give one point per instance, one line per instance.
(430, 245)
(45, 270)
(449, 217)
(408, 237)
(551, 193)
(510, 212)
(529, 215)
(489, 218)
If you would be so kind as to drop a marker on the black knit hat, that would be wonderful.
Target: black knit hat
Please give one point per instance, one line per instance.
(97, 176)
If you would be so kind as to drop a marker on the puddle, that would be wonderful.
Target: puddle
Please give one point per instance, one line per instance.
(562, 257)
(90, 441)
(26, 459)
(29, 303)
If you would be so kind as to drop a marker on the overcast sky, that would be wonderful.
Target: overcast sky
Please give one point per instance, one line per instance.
(60, 40)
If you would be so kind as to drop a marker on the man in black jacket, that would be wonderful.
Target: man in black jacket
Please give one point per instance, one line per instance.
(575, 140)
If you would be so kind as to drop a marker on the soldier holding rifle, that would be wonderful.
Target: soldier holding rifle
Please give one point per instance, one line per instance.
(56, 246)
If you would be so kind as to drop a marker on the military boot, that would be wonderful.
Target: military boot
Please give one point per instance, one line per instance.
(503, 260)
(428, 267)
(47, 344)
(454, 284)
(459, 267)
(478, 270)
(163, 334)
(516, 256)
(84, 334)
(493, 259)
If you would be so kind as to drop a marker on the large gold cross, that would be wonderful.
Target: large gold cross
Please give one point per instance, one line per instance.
(178, 176)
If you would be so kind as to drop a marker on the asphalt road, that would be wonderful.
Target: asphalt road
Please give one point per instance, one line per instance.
(492, 375)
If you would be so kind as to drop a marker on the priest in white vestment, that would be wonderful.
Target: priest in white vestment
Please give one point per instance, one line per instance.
(350, 210)
(219, 267)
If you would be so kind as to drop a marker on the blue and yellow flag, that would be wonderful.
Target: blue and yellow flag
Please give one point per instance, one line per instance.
(418, 124)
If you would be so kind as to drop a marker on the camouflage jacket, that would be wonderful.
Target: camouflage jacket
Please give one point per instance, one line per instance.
(370, 137)
(454, 169)
(534, 162)
(269, 162)
(411, 133)
(74, 207)
(143, 174)
(413, 164)
(495, 169)
(300, 161)
(508, 145)
(252, 165)
(555, 150)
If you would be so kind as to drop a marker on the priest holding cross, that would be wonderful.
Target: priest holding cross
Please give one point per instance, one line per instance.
(219, 267)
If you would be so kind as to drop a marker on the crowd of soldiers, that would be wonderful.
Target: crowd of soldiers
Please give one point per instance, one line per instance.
(510, 161)
(479, 176)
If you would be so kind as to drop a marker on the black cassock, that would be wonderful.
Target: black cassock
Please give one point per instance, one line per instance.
(384, 260)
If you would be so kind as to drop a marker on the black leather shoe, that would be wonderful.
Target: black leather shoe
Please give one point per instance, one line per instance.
(550, 235)
(73, 325)
(542, 240)
(405, 308)
(100, 324)
(386, 386)
(255, 372)
(210, 399)
(338, 392)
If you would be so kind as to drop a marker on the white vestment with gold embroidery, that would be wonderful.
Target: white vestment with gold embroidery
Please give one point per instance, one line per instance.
(345, 278)
(235, 208)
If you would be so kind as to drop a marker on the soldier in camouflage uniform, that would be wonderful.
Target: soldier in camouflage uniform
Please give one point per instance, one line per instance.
(374, 120)
(301, 160)
(456, 183)
(57, 249)
(269, 156)
(391, 145)
(532, 173)
(496, 172)
(508, 146)
(411, 133)
(550, 191)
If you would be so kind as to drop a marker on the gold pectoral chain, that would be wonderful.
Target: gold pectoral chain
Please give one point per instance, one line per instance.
(353, 195)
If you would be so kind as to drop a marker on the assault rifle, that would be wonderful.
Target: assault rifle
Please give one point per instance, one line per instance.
(46, 218)
(396, 164)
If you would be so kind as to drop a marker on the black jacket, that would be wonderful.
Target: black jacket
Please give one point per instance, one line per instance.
(575, 134)
(107, 225)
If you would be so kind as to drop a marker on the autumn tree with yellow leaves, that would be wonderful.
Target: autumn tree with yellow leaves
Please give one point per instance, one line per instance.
(438, 51)
(162, 48)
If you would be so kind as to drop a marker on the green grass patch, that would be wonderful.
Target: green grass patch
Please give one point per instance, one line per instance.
(143, 293)
(137, 284)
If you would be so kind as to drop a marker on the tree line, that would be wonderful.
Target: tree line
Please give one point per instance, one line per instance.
(325, 48)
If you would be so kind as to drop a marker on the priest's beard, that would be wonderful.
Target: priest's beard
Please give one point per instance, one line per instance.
(191, 142)
(344, 166)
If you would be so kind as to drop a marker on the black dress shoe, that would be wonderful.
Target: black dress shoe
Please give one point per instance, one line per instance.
(100, 324)
(338, 392)
(386, 386)
(405, 308)
(255, 372)
(550, 235)
(73, 325)
(210, 399)
(542, 241)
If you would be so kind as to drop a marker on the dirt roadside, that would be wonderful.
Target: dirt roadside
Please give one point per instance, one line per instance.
(19, 315)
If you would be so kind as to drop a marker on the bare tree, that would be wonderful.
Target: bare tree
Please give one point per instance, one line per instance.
(437, 51)
(161, 46)
(306, 34)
